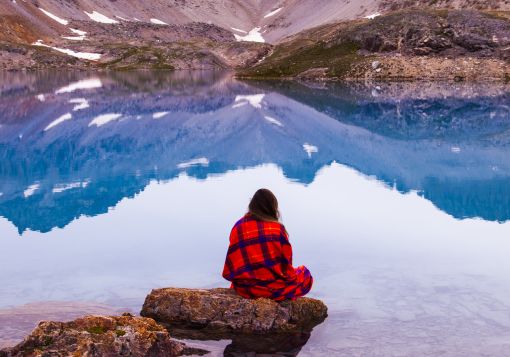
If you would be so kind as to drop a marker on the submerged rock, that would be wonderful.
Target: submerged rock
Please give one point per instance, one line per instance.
(98, 336)
(222, 310)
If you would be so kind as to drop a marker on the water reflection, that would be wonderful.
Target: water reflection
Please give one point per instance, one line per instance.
(286, 345)
(283, 344)
(77, 144)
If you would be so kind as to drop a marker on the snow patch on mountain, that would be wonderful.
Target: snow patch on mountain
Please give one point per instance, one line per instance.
(238, 30)
(78, 32)
(158, 22)
(54, 17)
(74, 38)
(81, 35)
(98, 17)
(253, 36)
(272, 13)
(372, 16)
(83, 55)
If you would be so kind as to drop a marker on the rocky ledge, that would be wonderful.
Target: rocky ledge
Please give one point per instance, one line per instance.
(124, 335)
(222, 310)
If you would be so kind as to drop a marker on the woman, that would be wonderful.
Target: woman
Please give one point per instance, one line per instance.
(259, 257)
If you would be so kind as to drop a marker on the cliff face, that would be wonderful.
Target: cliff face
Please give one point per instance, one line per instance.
(392, 5)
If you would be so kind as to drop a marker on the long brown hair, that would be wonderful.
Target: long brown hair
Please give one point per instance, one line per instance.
(264, 206)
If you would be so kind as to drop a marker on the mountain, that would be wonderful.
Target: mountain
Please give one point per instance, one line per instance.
(178, 34)
(276, 19)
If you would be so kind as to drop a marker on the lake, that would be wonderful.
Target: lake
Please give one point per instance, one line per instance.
(395, 196)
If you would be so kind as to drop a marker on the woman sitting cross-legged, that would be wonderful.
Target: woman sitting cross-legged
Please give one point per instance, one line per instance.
(259, 257)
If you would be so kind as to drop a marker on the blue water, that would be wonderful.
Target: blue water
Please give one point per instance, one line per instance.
(397, 197)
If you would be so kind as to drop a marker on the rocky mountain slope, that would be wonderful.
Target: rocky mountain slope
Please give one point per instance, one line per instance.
(275, 19)
(178, 34)
(410, 44)
(392, 5)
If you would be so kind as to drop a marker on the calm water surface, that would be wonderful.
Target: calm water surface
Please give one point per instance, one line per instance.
(397, 197)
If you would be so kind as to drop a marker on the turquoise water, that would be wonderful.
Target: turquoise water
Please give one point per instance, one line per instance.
(397, 198)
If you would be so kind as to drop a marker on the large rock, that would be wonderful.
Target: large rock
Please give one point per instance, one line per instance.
(98, 336)
(222, 310)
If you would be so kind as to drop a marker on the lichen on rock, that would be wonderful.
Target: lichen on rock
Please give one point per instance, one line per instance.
(222, 310)
(124, 335)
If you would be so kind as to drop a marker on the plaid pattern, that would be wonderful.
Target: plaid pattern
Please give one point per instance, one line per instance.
(259, 262)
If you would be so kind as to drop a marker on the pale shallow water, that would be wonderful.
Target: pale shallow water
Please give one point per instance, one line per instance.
(396, 198)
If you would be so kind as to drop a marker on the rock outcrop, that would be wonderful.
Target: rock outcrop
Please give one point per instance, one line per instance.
(125, 335)
(223, 310)
(392, 5)
(416, 44)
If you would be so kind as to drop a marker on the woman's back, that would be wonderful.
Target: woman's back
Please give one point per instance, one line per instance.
(259, 257)
(259, 251)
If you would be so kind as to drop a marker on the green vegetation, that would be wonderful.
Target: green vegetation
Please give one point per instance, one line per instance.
(500, 15)
(47, 341)
(120, 333)
(96, 330)
(139, 57)
(285, 62)
(440, 12)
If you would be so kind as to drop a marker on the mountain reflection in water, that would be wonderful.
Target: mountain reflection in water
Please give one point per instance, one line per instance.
(74, 144)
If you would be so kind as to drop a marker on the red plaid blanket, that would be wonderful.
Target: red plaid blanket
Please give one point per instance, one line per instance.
(259, 262)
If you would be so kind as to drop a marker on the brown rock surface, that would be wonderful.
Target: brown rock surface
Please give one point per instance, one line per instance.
(391, 5)
(224, 310)
(18, 321)
(431, 68)
(98, 336)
